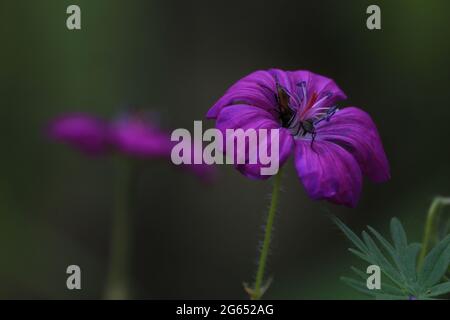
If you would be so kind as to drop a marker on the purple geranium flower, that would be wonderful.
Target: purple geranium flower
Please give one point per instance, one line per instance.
(332, 148)
(131, 134)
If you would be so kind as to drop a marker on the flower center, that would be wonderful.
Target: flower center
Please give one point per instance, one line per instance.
(300, 113)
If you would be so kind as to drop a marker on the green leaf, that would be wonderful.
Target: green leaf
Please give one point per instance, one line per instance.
(435, 264)
(398, 235)
(389, 248)
(439, 289)
(385, 288)
(360, 273)
(409, 261)
(350, 234)
(405, 261)
(361, 255)
(398, 262)
(359, 286)
(380, 260)
(388, 289)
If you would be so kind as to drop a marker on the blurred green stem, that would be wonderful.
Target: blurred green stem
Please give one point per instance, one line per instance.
(430, 233)
(117, 281)
(259, 290)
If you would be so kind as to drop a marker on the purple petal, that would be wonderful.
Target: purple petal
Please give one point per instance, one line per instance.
(284, 79)
(259, 89)
(256, 89)
(81, 131)
(245, 117)
(354, 130)
(138, 138)
(328, 171)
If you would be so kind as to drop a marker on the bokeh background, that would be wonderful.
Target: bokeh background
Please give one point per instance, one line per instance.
(192, 240)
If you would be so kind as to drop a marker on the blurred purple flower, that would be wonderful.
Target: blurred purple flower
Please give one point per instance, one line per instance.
(139, 138)
(86, 133)
(332, 148)
(132, 135)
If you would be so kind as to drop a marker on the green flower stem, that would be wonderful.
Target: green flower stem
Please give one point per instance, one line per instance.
(430, 233)
(257, 293)
(117, 281)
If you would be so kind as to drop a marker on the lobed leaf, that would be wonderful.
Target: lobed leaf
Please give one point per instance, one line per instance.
(380, 260)
(385, 288)
(400, 266)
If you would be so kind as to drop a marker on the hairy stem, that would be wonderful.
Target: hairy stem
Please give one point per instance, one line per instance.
(258, 292)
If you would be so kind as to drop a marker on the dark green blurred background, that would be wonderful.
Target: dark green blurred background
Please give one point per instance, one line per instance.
(177, 57)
